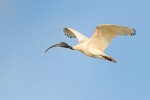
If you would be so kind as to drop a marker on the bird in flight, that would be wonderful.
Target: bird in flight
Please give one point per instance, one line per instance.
(98, 42)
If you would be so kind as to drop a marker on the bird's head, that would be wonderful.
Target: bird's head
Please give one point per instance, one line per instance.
(61, 44)
(65, 45)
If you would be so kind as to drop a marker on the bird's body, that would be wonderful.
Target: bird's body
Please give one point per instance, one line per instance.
(90, 51)
(96, 45)
(87, 50)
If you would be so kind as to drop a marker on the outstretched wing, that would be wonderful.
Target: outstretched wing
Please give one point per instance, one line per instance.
(75, 34)
(104, 34)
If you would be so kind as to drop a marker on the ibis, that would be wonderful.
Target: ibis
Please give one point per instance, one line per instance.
(98, 42)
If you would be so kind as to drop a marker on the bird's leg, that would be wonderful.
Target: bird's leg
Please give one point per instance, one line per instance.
(109, 58)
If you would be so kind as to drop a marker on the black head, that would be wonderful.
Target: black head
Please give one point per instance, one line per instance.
(65, 45)
(61, 44)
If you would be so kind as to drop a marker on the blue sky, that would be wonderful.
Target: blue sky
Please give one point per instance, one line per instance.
(28, 27)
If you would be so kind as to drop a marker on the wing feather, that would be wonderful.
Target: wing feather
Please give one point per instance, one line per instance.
(75, 34)
(104, 34)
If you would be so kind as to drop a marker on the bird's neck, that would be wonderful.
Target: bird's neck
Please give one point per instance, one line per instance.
(68, 46)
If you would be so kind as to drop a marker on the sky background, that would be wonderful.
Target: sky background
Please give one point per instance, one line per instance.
(28, 27)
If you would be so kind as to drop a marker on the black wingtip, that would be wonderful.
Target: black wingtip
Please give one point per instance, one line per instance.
(134, 32)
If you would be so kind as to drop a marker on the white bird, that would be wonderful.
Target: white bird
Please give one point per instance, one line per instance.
(98, 42)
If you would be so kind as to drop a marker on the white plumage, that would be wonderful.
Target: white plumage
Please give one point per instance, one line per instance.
(96, 45)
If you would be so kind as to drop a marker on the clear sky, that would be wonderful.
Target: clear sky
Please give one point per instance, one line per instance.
(28, 27)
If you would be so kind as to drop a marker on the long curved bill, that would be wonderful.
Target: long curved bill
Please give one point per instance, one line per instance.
(56, 45)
